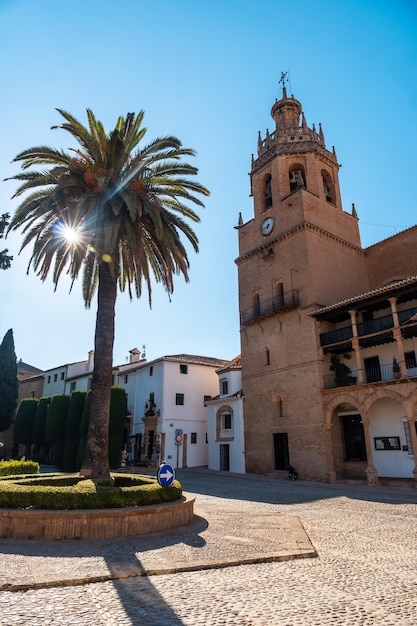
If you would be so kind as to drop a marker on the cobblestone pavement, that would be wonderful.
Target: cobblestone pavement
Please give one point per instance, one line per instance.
(365, 573)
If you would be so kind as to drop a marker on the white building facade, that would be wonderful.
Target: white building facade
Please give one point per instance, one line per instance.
(169, 413)
(69, 377)
(225, 425)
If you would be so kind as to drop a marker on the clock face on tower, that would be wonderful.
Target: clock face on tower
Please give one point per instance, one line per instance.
(267, 226)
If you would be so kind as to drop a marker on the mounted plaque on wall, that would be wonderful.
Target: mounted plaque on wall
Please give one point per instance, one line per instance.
(387, 443)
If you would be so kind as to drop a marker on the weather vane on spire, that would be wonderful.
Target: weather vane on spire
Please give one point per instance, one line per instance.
(284, 80)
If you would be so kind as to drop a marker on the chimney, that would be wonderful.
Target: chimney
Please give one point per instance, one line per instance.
(134, 355)
(90, 362)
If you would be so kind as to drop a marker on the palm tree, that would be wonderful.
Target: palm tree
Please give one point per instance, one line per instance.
(115, 211)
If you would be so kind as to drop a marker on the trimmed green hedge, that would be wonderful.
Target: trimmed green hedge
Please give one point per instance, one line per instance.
(11, 468)
(71, 491)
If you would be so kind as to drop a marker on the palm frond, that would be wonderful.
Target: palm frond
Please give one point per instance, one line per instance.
(130, 204)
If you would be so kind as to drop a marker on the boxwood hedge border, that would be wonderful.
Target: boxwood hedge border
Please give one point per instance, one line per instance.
(57, 491)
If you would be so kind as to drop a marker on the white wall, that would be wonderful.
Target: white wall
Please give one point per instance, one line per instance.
(237, 442)
(385, 420)
(166, 381)
(53, 387)
(236, 445)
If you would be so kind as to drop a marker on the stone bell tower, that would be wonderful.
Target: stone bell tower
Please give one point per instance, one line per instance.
(300, 251)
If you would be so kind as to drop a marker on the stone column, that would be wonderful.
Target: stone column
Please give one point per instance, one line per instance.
(398, 336)
(328, 446)
(356, 347)
(371, 473)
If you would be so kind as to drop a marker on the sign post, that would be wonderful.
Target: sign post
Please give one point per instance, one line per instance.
(178, 441)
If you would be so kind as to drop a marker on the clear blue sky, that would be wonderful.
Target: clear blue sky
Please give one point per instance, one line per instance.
(207, 72)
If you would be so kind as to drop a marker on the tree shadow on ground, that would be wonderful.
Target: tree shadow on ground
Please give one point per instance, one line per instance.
(57, 563)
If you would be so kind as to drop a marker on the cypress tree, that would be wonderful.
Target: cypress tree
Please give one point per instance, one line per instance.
(83, 430)
(38, 435)
(72, 439)
(55, 427)
(23, 427)
(118, 410)
(9, 384)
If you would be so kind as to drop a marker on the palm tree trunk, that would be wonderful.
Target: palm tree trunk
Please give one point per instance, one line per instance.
(96, 461)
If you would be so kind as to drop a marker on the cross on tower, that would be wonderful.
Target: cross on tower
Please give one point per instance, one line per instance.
(284, 80)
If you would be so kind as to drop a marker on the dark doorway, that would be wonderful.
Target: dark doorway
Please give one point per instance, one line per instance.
(372, 369)
(354, 439)
(224, 457)
(282, 457)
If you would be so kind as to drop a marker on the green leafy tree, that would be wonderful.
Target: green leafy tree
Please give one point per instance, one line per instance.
(23, 427)
(115, 210)
(9, 384)
(5, 259)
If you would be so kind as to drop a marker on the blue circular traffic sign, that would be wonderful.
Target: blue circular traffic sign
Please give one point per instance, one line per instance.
(166, 475)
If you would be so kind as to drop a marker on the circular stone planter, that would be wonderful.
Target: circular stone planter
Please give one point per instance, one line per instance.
(95, 523)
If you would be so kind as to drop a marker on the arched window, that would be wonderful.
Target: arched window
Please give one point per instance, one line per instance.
(328, 187)
(224, 423)
(266, 357)
(297, 177)
(268, 192)
(256, 305)
(279, 295)
(278, 405)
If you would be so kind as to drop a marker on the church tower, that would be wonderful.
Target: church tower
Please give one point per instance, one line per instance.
(299, 252)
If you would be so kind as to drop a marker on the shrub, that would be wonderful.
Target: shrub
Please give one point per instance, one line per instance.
(10, 468)
(55, 491)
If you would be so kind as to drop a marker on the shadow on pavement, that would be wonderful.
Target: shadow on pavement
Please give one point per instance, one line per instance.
(27, 564)
(271, 490)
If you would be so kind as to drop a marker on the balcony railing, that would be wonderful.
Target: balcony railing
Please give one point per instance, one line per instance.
(335, 336)
(405, 317)
(283, 302)
(381, 373)
(331, 381)
(375, 326)
(365, 328)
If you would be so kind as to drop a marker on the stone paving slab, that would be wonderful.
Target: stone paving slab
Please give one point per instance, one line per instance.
(216, 538)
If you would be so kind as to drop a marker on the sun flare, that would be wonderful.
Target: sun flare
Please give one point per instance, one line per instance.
(71, 235)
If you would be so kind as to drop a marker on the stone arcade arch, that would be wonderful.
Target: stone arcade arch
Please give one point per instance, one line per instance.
(386, 420)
